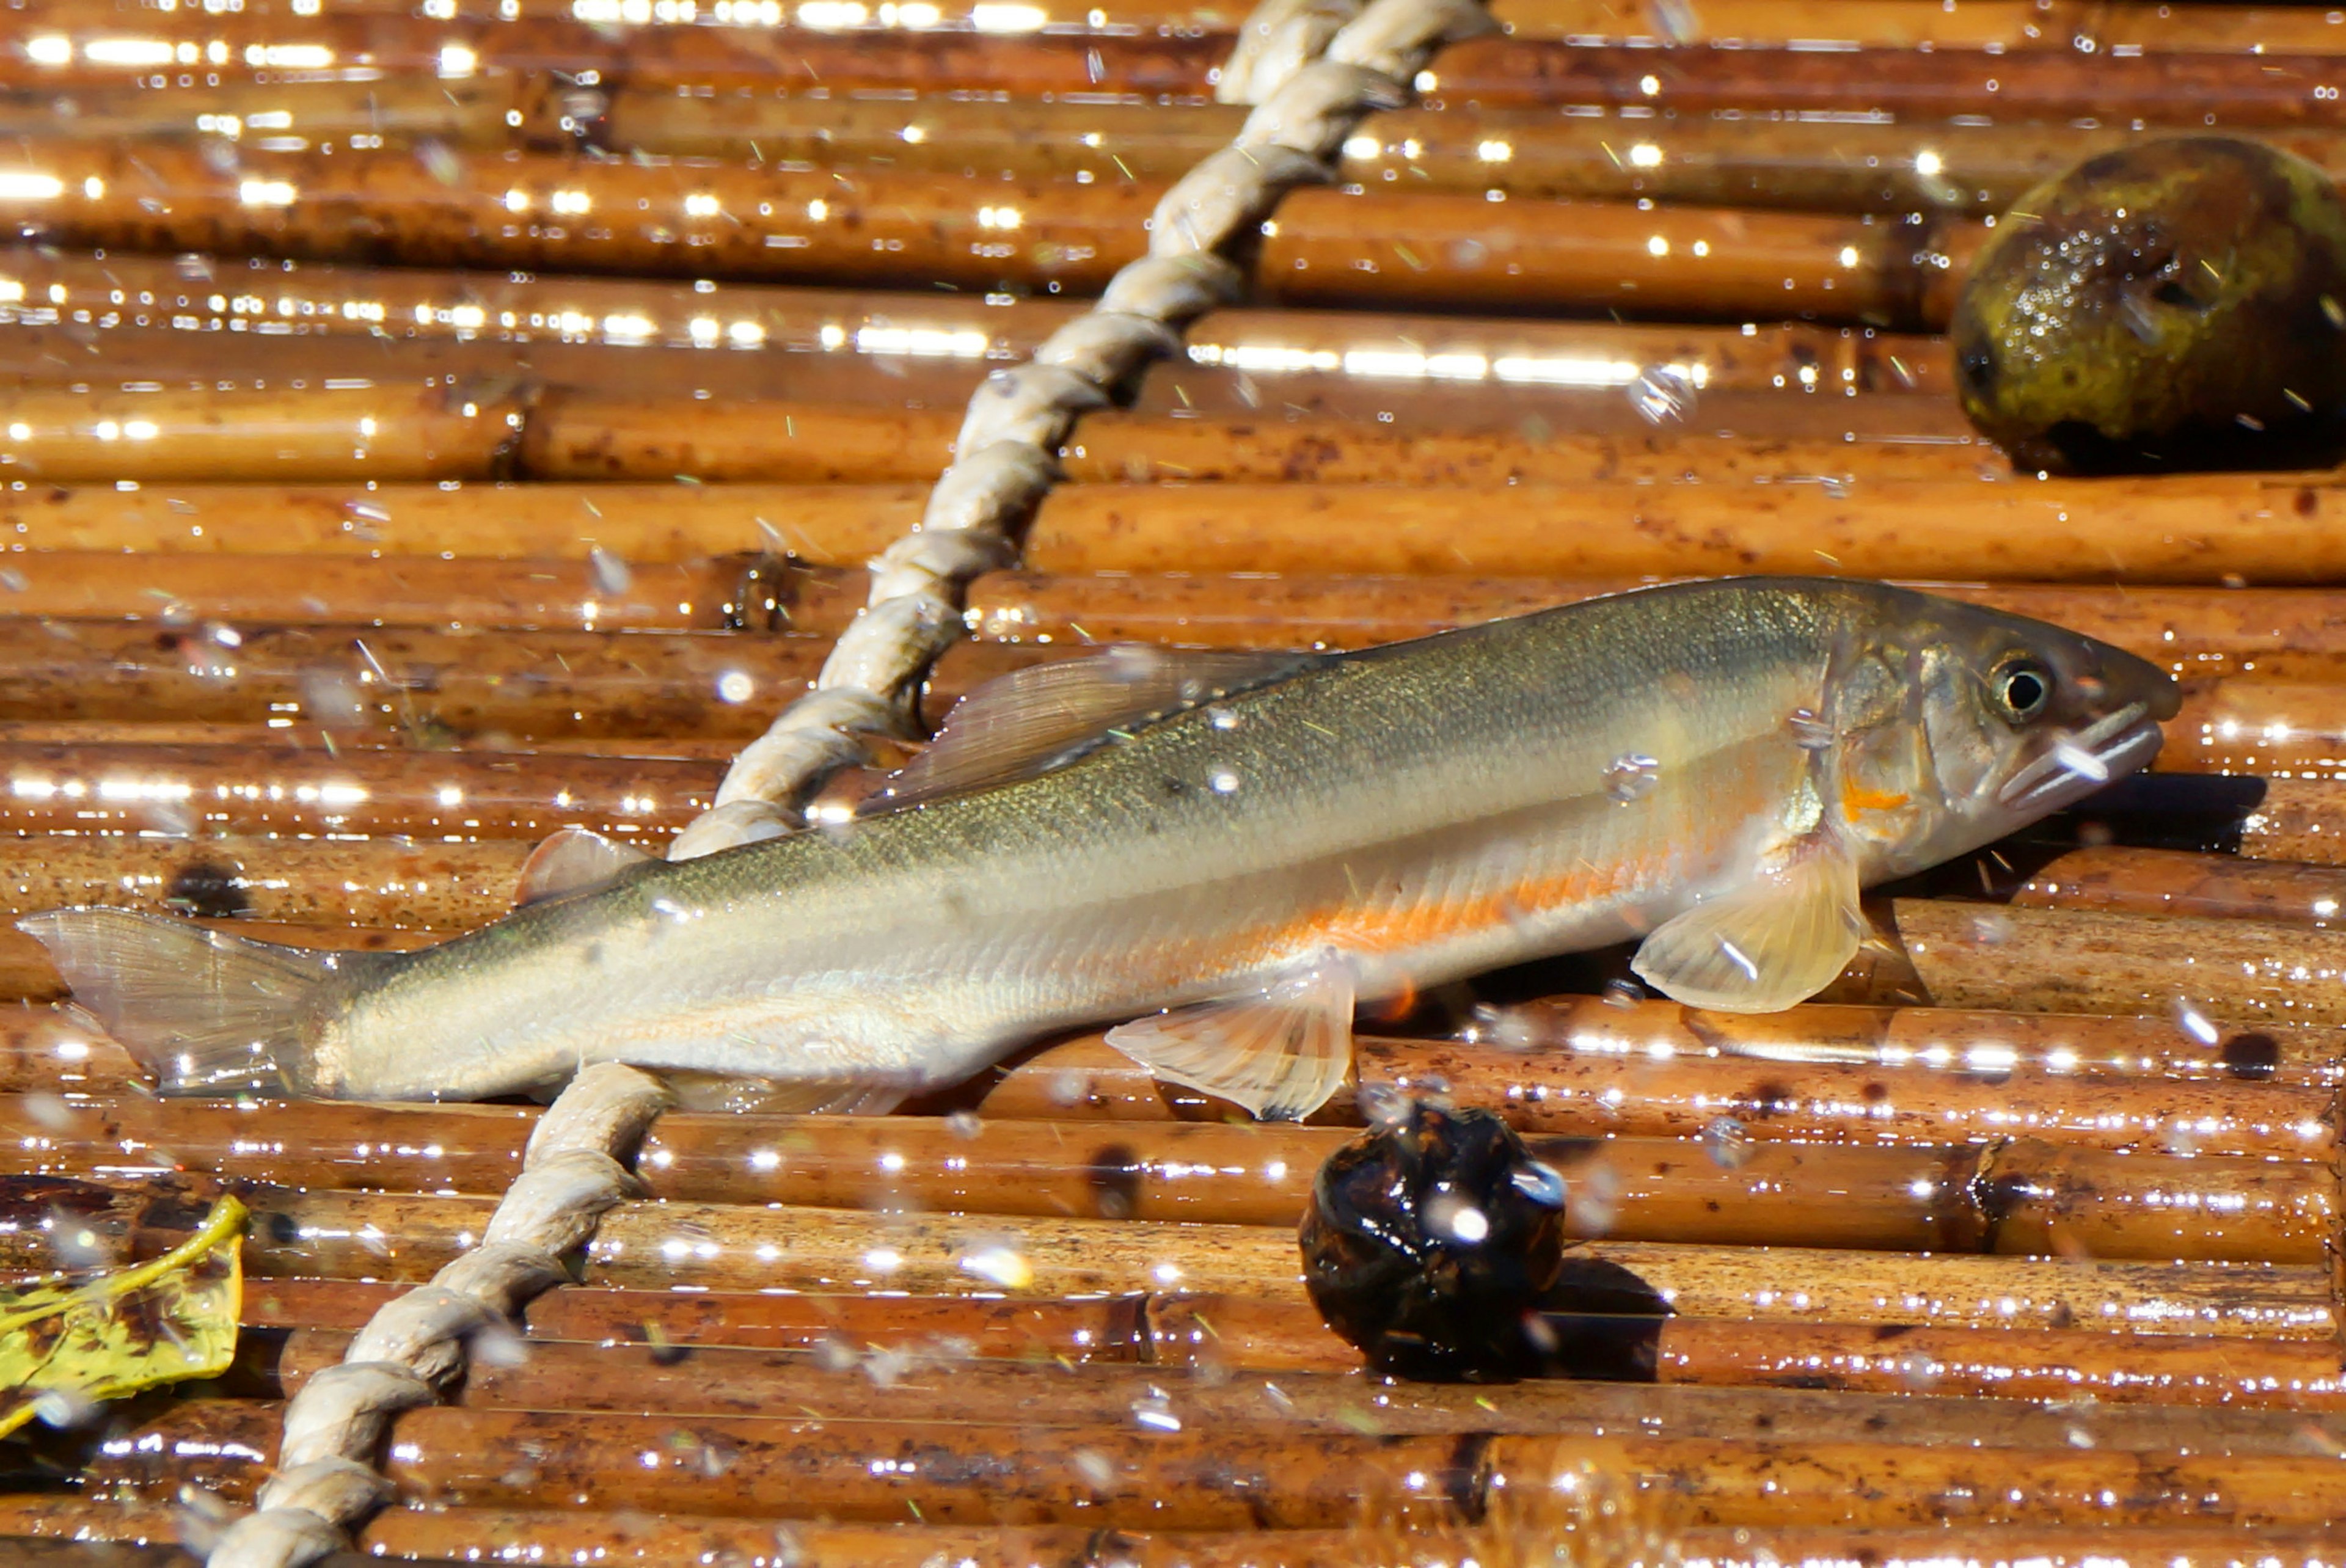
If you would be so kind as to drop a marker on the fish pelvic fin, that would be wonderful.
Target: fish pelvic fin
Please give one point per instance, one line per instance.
(1776, 940)
(719, 1092)
(205, 1011)
(1281, 1051)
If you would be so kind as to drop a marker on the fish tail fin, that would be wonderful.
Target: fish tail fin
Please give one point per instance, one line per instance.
(207, 1012)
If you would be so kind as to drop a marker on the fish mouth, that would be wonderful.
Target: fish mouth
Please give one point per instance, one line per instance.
(2112, 745)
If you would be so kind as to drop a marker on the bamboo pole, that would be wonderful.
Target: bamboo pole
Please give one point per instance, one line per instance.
(723, 1248)
(123, 787)
(608, 594)
(314, 434)
(1952, 1363)
(2153, 881)
(428, 684)
(469, 1534)
(2013, 1196)
(1634, 1082)
(527, 211)
(2239, 89)
(2273, 532)
(642, 339)
(1235, 1476)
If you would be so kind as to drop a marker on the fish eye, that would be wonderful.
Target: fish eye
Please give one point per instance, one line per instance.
(2022, 688)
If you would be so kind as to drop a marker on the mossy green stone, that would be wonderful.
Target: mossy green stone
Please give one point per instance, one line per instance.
(2175, 304)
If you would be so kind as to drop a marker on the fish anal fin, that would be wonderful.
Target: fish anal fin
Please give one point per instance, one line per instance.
(719, 1092)
(1778, 940)
(1282, 1052)
(207, 1012)
(571, 860)
(1032, 720)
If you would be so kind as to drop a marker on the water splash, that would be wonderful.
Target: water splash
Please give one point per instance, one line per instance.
(1727, 1142)
(1632, 776)
(1663, 395)
(610, 573)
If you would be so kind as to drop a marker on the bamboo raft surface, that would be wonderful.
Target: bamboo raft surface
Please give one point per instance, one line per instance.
(425, 427)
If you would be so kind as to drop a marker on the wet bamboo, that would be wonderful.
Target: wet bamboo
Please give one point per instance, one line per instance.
(2237, 88)
(2269, 532)
(313, 434)
(2004, 24)
(600, 438)
(2156, 881)
(429, 684)
(2185, 630)
(1667, 1079)
(664, 340)
(434, 886)
(2014, 1196)
(47, 1051)
(2234, 972)
(1953, 1363)
(1236, 1475)
(604, 594)
(527, 211)
(721, 1247)
(240, 790)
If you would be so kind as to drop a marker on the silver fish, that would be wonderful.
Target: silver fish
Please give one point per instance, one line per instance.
(1251, 843)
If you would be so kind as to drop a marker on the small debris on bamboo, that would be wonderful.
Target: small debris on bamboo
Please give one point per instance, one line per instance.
(1234, 1476)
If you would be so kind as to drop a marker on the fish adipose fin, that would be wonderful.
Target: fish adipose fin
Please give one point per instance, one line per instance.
(1778, 940)
(571, 860)
(1026, 723)
(1281, 1051)
(769, 1097)
(207, 1012)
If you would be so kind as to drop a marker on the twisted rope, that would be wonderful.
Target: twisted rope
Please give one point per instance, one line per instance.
(1007, 457)
(415, 1348)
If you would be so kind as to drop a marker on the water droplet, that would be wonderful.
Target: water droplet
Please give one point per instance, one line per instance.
(1623, 993)
(2080, 1437)
(330, 698)
(1632, 776)
(1810, 733)
(1224, 782)
(835, 1355)
(610, 573)
(49, 1111)
(1383, 1105)
(964, 1124)
(736, 686)
(1728, 1142)
(2194, 1022)
(1097, 1470)
(887, 1367)
(1004, 1266)
(1992, 928)
(497, 1344)
(1070, 1086)
(1595, 1202)
(12, 580)
(1542, 1184)
(1663, 394)
(1156, 1412)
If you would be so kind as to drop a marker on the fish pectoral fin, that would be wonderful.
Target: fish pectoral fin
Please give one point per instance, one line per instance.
(1281, 1051)
(571, 860)
(1030, 721)
(1776, 940)
(721, 1091)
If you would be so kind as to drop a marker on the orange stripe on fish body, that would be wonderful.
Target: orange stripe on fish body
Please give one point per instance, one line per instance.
(1856, 797)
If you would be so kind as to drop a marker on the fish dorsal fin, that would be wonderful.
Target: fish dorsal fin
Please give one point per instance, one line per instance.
(1779, 939)
(1032, 720)
(1281, 1051)
(571, 860)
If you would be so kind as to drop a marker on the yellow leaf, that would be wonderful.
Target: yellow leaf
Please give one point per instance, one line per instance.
(159, 1322)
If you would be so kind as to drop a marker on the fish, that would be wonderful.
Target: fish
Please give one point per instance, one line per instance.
(1225, 854)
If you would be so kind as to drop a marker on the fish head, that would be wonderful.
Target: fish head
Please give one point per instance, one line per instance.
(1986, 722)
